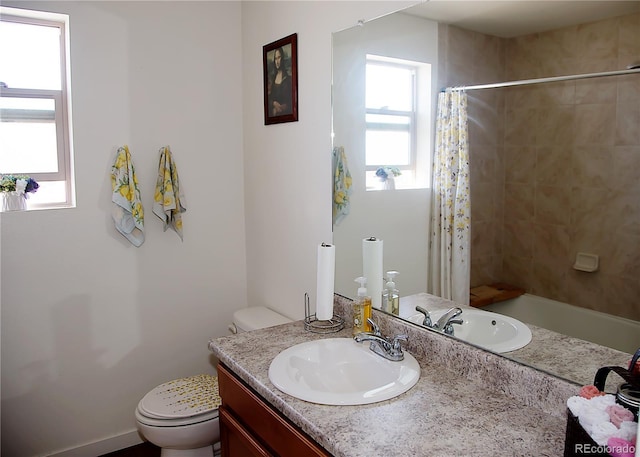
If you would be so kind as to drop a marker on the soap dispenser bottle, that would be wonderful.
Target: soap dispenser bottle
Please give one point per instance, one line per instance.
(361, 308)
(392, 294)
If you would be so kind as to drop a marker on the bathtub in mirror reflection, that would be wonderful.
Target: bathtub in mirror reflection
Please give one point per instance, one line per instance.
(552, 171)
(601, 328)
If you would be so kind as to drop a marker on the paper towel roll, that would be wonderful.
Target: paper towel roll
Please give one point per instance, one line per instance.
(372, 254)
(325, 280)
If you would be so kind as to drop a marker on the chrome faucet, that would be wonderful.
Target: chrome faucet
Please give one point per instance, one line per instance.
(444, 324)
(389, 348)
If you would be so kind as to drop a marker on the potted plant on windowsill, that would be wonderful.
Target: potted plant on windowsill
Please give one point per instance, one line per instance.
(387, 175)
(14, 190)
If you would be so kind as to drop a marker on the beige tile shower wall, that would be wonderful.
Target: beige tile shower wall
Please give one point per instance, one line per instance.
(572, 167)
(473, 58)
(555, 168)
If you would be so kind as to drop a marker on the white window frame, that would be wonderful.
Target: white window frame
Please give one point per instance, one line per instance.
(62, 103)
(412, 115)
(417, 175)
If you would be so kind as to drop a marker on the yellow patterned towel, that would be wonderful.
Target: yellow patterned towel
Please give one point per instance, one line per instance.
(169, 203)
(127, 213)
(341, 185)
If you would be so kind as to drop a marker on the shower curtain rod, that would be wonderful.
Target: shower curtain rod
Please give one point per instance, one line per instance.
(544, 80)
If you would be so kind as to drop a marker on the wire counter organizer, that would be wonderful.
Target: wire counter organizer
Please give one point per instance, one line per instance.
(313, 324)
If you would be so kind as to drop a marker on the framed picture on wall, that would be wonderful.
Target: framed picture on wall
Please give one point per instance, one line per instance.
(280, 64)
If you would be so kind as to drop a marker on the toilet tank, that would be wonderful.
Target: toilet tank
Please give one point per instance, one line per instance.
(255, 317)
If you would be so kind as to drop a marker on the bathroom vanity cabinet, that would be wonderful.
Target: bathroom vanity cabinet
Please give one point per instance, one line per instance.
(251, 427)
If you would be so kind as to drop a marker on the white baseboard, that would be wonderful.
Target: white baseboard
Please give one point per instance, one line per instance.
(101, 447)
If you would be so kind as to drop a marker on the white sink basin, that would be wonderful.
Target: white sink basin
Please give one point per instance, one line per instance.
(489, 330)
(339, 371)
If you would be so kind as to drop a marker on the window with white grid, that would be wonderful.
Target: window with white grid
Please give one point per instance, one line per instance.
(394, 115)
(35, 122)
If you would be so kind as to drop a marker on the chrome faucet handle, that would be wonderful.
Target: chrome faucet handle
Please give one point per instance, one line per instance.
(427, 318)
(395, 342)
(448, 329)
(366, 336)
(374, 327)
(447, 317)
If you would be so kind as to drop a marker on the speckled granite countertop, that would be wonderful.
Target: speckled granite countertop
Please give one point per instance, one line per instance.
(467, 401)
(570, 358)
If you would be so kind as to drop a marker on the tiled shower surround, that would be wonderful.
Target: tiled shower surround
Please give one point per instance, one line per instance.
(555, 167)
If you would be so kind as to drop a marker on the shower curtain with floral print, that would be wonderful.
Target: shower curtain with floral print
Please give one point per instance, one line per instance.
(449, 262)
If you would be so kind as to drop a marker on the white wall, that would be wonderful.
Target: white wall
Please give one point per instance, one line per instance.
(90, 323)
(288, 166)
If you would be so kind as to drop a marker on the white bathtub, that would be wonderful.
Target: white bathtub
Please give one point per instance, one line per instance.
(604, 329)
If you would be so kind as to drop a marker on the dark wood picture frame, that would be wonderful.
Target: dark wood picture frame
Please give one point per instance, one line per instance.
(280, 66)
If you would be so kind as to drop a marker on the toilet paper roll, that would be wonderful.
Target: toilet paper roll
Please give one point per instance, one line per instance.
(325, 281)
(372, 255)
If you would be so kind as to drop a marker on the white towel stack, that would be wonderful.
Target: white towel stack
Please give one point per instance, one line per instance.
(595, 420)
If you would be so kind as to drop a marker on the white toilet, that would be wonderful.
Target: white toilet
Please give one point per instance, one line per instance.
(181, 416)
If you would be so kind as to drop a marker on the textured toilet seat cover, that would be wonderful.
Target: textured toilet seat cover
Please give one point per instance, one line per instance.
(183, 397)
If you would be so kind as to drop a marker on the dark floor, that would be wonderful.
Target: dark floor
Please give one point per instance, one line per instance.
(140, 450)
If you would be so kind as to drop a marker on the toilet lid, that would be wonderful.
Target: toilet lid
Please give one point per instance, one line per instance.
(183, 397)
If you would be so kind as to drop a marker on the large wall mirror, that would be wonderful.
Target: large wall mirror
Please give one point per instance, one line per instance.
(555, 168)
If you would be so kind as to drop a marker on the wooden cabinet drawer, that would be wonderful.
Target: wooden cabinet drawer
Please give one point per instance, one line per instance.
(238, 441)
(268, 426)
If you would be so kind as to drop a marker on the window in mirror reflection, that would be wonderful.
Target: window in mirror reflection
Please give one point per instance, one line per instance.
(394, 117)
